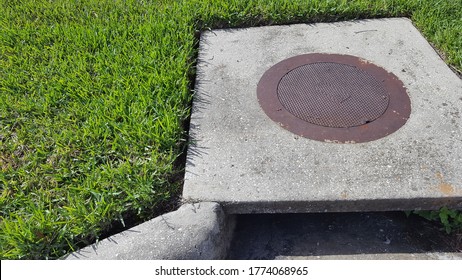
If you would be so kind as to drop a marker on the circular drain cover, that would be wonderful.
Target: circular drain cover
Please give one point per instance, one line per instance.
(334, 98)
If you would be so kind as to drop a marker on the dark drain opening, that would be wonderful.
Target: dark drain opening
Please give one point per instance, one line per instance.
(334, 98)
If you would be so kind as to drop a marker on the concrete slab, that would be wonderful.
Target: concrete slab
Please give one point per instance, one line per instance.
(249, 164)
(385, 256)
(343, 236)
(193, 232)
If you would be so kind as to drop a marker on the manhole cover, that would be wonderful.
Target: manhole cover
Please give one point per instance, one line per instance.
(334, 98)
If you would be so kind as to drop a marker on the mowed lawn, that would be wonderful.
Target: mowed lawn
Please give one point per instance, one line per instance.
(95, 98)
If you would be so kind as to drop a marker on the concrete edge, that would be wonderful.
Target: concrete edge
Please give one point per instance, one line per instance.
(254, 207)
(197, 231)
(388, 256)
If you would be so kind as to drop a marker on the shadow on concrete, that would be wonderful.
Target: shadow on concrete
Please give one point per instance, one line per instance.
(338, 235)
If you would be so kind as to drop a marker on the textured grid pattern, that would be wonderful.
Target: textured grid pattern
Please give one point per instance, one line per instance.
(332, 95)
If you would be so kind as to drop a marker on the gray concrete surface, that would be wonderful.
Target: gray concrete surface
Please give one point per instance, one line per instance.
(247, 163)
(385, 256)
(195, 231)
(350, 236)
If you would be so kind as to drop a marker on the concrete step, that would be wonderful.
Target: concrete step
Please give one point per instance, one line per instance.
(243, 160)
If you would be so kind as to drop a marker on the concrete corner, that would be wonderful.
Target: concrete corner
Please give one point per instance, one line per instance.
(194, 231)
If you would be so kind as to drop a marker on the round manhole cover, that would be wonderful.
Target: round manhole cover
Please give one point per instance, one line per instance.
(334, 98)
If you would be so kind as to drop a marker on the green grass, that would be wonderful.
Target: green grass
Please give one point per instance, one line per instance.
(94, 95)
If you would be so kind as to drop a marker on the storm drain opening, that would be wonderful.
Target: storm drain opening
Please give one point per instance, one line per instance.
(334, 98)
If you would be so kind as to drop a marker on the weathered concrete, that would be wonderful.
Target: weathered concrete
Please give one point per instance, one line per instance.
(386, 256)
(370, 235)
(247, 163)
(195, 231)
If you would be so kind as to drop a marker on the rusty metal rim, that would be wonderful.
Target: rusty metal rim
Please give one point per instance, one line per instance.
(396, 115)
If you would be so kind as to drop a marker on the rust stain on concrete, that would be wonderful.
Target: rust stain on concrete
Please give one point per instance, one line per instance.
(446, 188)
